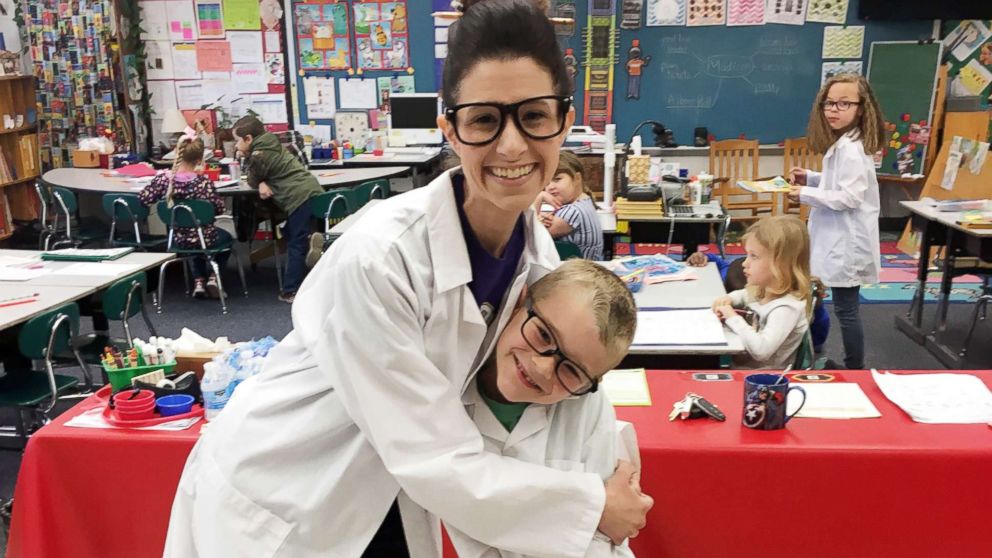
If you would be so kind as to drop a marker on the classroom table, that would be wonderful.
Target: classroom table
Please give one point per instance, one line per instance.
(123, 266)
(851, 488)
(699, 293)
(422, 161)
(349, 221)
(608, 224)
(940, 228)
(48, 297)
(855, 488)
(642, 227)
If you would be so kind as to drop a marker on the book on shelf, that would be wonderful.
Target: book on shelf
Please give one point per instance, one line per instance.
(28, 145)
(6, 221)
(7, 174)
(772, 185)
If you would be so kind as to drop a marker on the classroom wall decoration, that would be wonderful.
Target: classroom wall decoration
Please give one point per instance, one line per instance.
(601, 38)
(636, 61)
(631, 17)
(843, 42)
(787, 12)
(746, 12)
(827, 11)
(666, 12)
(831, 69)
(382, 38)
(566, 9)
(706, 12)
(209, 20)
(71, 51)
(322, 35)
(970, 45)
(571, 67)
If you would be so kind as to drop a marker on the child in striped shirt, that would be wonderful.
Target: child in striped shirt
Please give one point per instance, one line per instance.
(574, 217)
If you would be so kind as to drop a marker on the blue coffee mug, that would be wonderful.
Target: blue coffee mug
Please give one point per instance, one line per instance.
(765, 397)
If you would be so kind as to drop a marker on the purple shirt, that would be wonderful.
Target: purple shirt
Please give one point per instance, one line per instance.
(491, 276)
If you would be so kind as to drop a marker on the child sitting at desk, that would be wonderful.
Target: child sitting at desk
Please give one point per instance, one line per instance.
(574, 217)
(534, 403)
(184, 182)
(779, 292)
(277, 174)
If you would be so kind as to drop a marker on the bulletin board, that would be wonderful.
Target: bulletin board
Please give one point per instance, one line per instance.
(382, 35)
(224, 54)
(322, 35)
(970, 59)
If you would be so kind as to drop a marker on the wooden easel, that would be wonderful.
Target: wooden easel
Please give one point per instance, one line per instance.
(972, 125)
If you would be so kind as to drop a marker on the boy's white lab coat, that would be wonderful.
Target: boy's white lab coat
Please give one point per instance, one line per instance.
(577, 434)
(843, 217)
(361, 404)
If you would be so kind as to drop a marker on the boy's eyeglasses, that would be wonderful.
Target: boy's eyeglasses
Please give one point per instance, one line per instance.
(839, 105)
(539, 337)
(538, 118)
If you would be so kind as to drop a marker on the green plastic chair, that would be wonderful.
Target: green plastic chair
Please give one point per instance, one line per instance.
(48, 213)
(373, 189)
(125, 209)
(76, 231)
(122, 300)
(194, 214)
(37, 391)
(333, 206)
(567, 250)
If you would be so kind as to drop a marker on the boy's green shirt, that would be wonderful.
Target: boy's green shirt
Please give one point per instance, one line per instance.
(508, 414)
(291, 183)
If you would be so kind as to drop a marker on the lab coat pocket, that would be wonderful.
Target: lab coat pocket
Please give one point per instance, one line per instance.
(227, 523)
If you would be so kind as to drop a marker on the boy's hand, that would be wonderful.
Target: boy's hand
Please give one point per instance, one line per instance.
(797, 176)
(697, 259)
(794, 192)
(264, 191)
(723, 300)
(724, 311)
(626, 506)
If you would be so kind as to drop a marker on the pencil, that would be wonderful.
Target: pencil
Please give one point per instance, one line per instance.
(22, 297)
(26, 301)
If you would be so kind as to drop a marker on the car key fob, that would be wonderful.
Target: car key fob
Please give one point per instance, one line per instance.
(705, 408)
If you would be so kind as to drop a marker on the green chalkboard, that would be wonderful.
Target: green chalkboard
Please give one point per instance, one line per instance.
(904, 77)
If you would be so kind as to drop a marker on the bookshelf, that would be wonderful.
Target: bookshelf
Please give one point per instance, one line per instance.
(20, 162)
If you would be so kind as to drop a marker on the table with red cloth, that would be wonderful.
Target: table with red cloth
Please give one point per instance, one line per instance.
(840, 488)
(881, 487)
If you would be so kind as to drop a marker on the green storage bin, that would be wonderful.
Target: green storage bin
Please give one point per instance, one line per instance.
(121, 377)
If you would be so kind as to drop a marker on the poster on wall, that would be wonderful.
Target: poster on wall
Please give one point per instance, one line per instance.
(322, 36)
(382, 37)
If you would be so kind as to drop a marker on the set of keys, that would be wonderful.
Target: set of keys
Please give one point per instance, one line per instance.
(694, 406)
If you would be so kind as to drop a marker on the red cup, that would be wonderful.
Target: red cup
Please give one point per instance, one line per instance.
(136, 414)
(144, 398)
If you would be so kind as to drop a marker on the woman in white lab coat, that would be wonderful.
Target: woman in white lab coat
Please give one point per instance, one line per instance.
(358, 411)
(845, 123)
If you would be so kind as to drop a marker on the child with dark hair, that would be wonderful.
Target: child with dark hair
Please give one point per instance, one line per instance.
(278, 175)
(184, 182)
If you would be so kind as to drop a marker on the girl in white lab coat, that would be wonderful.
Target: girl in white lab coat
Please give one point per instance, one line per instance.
(778, 292)
(354, 440)
(846, 125)
(536, 398)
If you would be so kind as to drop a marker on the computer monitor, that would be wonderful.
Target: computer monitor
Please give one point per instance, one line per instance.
(413, 119)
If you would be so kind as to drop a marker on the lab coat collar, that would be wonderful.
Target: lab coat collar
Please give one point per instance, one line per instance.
(851, 136)
(534, 420)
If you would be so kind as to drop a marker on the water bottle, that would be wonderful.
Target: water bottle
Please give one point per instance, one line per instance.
(214, 387)
(235, 169)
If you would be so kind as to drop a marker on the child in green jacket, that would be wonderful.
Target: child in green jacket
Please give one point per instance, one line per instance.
(277, 174)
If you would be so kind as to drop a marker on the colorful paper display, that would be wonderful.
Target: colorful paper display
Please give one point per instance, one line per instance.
(382, 36)
(242, 15)
(322, 36)
(666, 12)
(209, 20)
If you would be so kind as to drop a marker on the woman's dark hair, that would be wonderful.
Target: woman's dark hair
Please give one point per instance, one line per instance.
(248, 126)
(501, 30)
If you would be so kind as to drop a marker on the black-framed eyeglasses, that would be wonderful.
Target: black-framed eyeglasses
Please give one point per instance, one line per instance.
(839, 105)
(538, 118)
(539, 337)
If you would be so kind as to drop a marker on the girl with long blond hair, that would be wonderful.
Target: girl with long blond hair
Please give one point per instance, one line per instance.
(846, 125)
(778, 292)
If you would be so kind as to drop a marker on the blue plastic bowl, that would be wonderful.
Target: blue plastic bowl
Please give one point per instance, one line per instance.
(170, 405)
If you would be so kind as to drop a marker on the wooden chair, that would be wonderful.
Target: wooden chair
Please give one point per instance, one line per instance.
(735, 160)
(797, 154)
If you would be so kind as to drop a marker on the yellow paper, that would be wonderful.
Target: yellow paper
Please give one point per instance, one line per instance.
(627, 388)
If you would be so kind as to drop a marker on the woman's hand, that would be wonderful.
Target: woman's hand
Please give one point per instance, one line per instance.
(722, 301)
(626, 507)
(797, 176)
(264, 191)
(698, 259)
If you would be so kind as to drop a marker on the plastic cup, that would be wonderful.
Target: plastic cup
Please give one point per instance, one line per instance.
(139, 414)
(177, 404)
(144, 398)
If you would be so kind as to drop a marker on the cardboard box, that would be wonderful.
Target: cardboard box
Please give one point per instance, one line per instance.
(85, 159)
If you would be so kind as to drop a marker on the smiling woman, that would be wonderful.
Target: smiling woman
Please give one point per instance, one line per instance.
(354, 440)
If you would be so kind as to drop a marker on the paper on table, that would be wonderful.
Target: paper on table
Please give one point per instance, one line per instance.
(694, 326)
(100, 269)
(844, 400)
(938, 398)
(627, 388)
(843, 42)
(10, 273)
(93, 418)
(357, 93)
(246, 46)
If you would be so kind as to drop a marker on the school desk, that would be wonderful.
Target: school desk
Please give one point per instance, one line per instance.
(17, 305)
(122, 267)
(936, 229)
(420, 162)
(699, 293)
(859, 488)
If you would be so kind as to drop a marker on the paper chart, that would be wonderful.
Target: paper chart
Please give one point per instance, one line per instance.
(210, 20)
(246, 46)
(745, 12)
(706, 12)
(213, 56)
(357, 93)
(319, 97)
(788, 12)
(827, 11)
(843, 42)
(382, 38)
(666, 12)
(182, 20)
(322, 36)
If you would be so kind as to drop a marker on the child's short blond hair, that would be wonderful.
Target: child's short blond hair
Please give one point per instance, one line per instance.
(612, 303)
(786, 237)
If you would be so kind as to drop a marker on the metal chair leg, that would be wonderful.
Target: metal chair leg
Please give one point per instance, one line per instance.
(220, 284)
(980, 307)
(241, 271)
(275, 252)
(161, 284)
(186, 275)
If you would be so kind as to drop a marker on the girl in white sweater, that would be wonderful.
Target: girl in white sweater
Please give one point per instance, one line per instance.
(778, 293)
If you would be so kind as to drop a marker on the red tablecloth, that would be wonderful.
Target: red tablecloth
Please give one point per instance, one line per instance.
(85, 492)
(839, 488)
(860, 488)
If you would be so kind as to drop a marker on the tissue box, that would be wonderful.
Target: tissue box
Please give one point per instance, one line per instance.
(86, 159)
